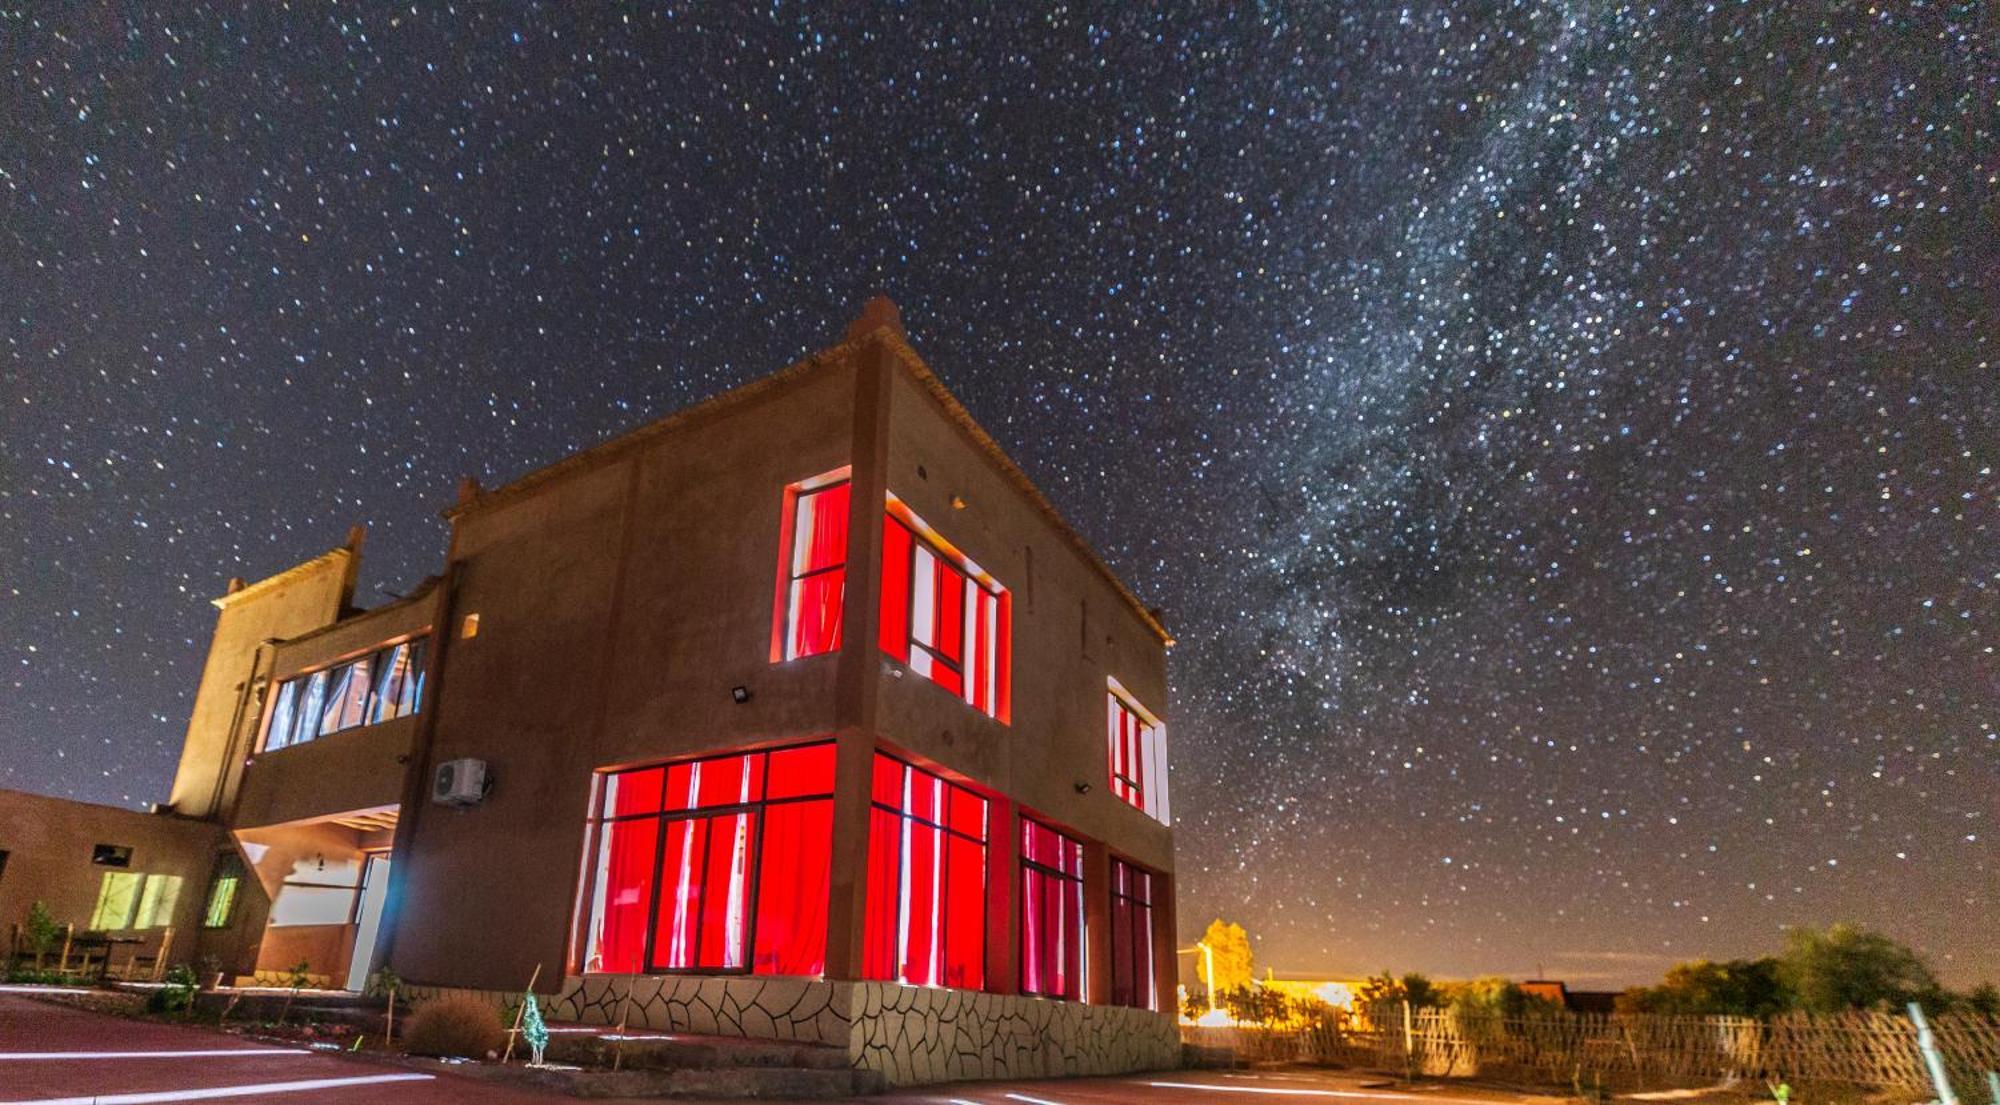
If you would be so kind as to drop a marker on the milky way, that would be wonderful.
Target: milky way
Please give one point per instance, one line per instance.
(1562, 438)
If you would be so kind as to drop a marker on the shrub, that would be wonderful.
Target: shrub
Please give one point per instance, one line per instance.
(455, 1024)
(177, 996)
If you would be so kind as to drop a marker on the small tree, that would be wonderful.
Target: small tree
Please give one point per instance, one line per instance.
(1847, 967)
(1229, 946)
(533, 1030)
(297, 977)
(41, 931)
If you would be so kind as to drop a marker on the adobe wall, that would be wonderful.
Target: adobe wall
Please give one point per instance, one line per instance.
(48, 842)
(618, 605)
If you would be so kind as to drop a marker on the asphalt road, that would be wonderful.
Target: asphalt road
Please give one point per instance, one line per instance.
(53, 1053)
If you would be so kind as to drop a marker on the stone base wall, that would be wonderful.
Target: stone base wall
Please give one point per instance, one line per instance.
(805, 1010)
(915, 1035)
(910, 1034)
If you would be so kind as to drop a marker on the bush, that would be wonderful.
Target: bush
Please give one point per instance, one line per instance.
(455, 1024)
(177, 996)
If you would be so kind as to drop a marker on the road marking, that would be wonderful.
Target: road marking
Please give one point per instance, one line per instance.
(158, 1096)
(1277, 1091)
(1033, 1100)
(18, 1056)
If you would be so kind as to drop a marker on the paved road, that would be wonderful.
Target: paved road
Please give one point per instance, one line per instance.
(53, 1053)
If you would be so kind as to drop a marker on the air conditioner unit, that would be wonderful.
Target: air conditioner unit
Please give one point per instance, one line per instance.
(461, 783)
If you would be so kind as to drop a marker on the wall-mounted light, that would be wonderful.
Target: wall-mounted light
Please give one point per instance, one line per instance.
(958, 502)
(1083, 788)
(739, 695)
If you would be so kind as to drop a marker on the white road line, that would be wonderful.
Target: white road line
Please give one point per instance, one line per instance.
(58, 1056)
(1033, 1100)
(222, 1091)
(1275, 1091)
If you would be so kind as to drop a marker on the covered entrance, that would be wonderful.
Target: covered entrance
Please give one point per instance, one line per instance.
(327, 880)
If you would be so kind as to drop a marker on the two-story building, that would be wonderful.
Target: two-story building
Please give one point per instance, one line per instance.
(798, 713)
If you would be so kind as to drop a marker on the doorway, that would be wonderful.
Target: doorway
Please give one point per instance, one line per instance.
(368, 919)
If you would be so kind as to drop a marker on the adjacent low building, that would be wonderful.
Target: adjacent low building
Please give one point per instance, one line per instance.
(798, 713)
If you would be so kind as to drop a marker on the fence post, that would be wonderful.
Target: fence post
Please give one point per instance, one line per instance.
(1927, 1044)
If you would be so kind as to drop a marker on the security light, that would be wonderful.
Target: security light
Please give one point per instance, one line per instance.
(739, 694)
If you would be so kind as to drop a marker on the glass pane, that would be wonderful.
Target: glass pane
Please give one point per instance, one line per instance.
(792, 887)
(878, 954)
(623, 895)
(412, 696)
(965, 914)
(816, 604)
(729, 780)
(221, 901)
(157, 900)
(725, 905)
(888, 785)
(895, 632)
(117, 899)
(926, 799)
(312, 705)
(819, 536)
(392, 668)
(283, 714)
(630, 792)
(799, 772)
(680, 894)
(922, 923)
(968, 813)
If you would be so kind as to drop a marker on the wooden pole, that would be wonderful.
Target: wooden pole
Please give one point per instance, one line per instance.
(69, 934)
(625, 1015)
(160, 960)
(520, 1011)
(389, 1020)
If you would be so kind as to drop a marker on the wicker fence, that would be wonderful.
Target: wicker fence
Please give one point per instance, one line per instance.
(1873, 1050)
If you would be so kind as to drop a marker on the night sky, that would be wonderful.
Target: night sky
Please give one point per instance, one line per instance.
(1561, 437)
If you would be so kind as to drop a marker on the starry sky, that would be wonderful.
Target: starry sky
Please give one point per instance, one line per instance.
(1561, 436)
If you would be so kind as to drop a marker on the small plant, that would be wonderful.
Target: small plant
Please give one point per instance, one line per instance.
(297, 977)
(177, 994)
(387, 982)
(455, 1025)
(1781, 1092)
(208, 972)
(41, 932)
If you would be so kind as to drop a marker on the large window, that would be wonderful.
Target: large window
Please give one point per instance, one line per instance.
(926, 921)
(374, 688)
(1138, 754)
(1051, 913)
(718, 865)
(814, 574)
(129, 900)
(1132, 978)
(943, 615)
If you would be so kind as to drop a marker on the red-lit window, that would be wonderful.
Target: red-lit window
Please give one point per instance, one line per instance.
(1051, 913)
(1132, 978)
(943, 616)
(813, 576)
(926, 922)
(719, 864)
(1138, 754)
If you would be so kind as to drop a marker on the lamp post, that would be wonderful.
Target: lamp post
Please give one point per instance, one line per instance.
(1208, 967)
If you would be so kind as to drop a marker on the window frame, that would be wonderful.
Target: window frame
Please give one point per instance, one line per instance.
(1076, 887)
(925, 539)
(783, 616)
(1140, 906)
(595, 841)
(910, 770)
(1150, 787)
(288, 696)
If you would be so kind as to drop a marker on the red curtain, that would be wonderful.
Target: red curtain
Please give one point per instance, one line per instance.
(792, 887)
(896, 552)
(1051, 913)
(926, 917)
(627, 863)
(818, 571)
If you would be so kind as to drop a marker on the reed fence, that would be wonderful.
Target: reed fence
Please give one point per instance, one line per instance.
(1866, 1049)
